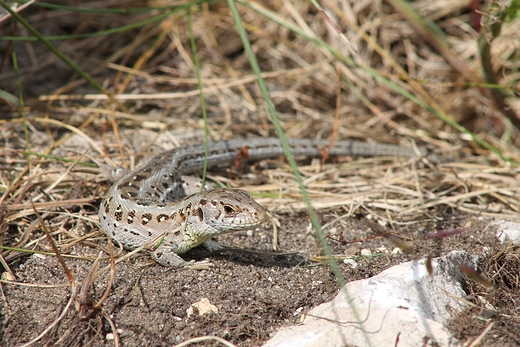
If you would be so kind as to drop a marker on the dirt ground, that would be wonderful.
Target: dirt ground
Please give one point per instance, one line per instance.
(370, 209)
(255, 294)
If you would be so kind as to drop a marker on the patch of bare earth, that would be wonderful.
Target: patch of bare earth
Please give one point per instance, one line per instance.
(50, 177)
(255, 294)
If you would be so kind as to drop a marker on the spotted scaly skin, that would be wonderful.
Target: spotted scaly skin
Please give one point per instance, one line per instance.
(147, 207)
(178, 226)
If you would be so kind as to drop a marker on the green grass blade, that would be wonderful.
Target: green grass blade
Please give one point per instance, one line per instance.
(290, 158)
(202, 99)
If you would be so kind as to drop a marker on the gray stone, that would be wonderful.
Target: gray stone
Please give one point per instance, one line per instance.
(508, 231)
(403, 303)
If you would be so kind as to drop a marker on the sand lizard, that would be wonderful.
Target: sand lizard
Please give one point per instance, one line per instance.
(148, 206)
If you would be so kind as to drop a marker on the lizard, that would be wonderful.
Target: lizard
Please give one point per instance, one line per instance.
(155, 206)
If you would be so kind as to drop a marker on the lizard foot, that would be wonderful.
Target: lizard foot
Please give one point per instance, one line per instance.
(170, 259)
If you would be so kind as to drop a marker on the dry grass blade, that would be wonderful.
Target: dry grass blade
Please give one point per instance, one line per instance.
(475, 276)
(85, 308)
(479, 339)
(444, 233)
(334, 134)
(57, 252)
(392, 237)
(10, 275)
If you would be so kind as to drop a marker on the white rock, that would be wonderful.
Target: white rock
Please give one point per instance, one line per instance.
(508, 231)
(403, 303)
(351, 262)
(202, 307)
(397, 250)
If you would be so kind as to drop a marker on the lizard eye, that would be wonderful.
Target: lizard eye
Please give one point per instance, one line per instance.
(228, 209)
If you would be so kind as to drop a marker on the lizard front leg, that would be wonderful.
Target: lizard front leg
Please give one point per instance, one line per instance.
(166, 257)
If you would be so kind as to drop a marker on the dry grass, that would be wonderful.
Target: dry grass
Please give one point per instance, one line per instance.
(46, 158)
(151, 72)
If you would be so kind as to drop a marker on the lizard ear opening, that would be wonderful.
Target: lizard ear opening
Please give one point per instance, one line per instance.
(200, 213)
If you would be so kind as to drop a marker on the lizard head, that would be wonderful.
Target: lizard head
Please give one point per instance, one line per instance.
(227, 210)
